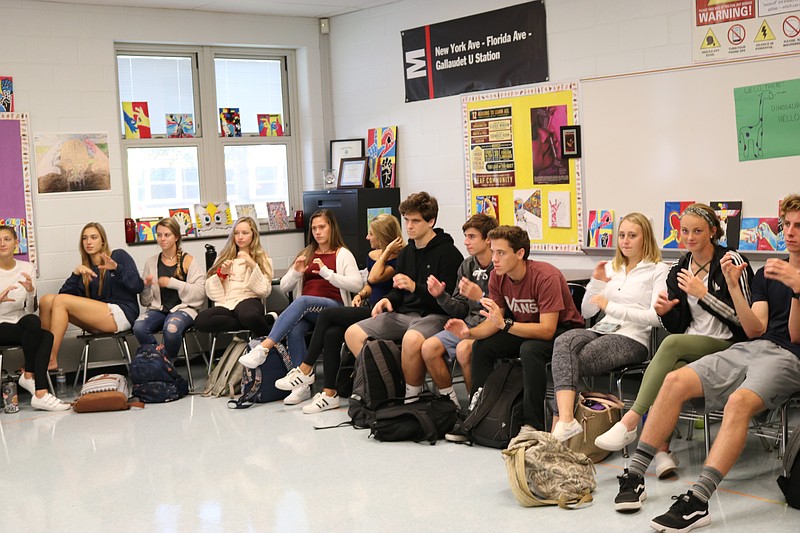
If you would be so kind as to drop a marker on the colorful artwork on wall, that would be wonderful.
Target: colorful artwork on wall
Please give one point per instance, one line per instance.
(672, 223)
(765, 233)
(6, 94)
(382, 156)
(601, 229)
(270, 126)
(488, 204)
(72, 162)
(136, 117)
(277, 217)
(730, 218)
(180, 125)
(184, 218)
(229, 122)
(558, 204)
(212, 218)
(528, 211)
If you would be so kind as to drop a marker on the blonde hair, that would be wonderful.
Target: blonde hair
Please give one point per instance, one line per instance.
(385, 228)
(172, 225)
(650, 251)
(789, 204)
(87, 261)
(231, 250)
(336, 240)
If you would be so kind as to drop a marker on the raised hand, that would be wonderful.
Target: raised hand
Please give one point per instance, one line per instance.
(663, 304)
(83, 270)
(470, 289)
(403, 282)
(435, 287)
(27, 282)
(782, 271)
(4, 295)
(731, 271)
(225, 267)
(249, 261)
(600, 271)
(108, 263)
(691, 284)
(395, 246)
(492, 312)
(148, 280)
(300, 264)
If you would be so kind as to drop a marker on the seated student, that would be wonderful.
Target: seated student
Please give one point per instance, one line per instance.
(439, 351)
(386, 240)
(409, 313)
(323, 275)
(174, 291)
(696, 306)
(19, 326)
(99, 296)
(237, 283)
(529, 305)
(624, 290)
(745, 379)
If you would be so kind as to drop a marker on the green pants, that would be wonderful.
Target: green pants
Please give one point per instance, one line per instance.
(676, 351)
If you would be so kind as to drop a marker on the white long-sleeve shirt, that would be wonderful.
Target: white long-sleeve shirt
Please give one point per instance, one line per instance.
(23, 300)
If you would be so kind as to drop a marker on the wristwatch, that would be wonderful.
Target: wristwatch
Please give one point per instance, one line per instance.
(508, 325)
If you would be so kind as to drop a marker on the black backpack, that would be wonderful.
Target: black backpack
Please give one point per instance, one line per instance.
(428, 418)
(346, 373)
(154, 378)
(378, 380)
(258, 384)
(790, 482)
(497, 416)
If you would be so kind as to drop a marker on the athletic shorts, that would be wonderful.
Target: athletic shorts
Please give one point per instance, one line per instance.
(392, 326)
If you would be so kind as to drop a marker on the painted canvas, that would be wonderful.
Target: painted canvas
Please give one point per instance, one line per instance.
(136, 117)
(180, 125)
(488, 205)
(212, 218)
(184, 218)
(145, 229)
(373, 212)
(763, 233)
(270, 125)
(21, 228)
(601, 229)
(277, 217)
(246, 210)
(559, 209)
(230, 125)
(72, 162)
(6, 94)
(549, 167)
(672, 223)
(730, 218)
(382, 156)
(528, 212)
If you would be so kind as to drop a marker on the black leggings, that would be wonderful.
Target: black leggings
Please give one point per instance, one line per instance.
(248, 314)
(328, 337)
(36, 345)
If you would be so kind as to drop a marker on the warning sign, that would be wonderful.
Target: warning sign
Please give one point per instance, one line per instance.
(791, 27)
(736, 34)
(716, 11)
(710, 40)
(764, 33)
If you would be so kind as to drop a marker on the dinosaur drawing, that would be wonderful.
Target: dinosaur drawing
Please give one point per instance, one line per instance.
(751, 138)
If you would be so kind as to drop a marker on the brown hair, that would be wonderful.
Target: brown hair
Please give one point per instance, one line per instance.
(87, 261)
(710, 216)
(789, 204)
(650, 251)
(481, 222)
(172, 225)
(422, 203)
(11, 230)
(336, 240)
(255, 250)
(517, 238)
(386, 228)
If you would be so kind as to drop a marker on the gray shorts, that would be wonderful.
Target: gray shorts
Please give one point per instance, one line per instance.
(761, 366)
(392, 326)
(449, 341)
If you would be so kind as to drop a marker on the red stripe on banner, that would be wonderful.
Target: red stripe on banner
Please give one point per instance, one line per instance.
(428, 59)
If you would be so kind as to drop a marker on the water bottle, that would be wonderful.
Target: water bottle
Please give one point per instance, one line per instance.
(61, 383)
(10, 398)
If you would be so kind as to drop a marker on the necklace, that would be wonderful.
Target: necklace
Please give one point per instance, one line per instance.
(700, 267)
(164, 256)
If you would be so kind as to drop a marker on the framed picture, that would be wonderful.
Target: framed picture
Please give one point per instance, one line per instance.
(353, 173)
(343, 148)
(571, 141)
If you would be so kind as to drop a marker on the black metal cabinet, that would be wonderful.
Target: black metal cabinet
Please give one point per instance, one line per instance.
(350, 207)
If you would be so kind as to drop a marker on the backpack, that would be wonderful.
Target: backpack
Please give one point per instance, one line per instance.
(497, 415)
(346, 373)
(154, 378)
(789, 482)
(105, 392)
(428, 418)
(226, 378)
(258, 384)
(378, 380)
(542, 471)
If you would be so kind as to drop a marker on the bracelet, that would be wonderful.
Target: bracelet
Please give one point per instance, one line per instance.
(220, 274)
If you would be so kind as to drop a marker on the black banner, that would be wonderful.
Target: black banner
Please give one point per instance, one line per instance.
(496, 49)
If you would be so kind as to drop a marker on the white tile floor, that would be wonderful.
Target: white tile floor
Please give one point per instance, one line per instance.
(197, 466)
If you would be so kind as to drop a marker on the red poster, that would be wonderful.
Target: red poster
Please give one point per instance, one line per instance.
(715, 11)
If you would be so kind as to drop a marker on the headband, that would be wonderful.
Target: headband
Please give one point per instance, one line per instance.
(696, 211)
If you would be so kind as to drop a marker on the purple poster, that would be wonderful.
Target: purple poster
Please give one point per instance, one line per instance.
(12, 182)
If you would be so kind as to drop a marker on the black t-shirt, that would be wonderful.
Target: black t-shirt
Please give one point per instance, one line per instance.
(779, 298)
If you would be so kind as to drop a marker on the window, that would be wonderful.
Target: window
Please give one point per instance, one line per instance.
(164, 172)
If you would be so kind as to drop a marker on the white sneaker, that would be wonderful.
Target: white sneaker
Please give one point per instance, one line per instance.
(48, 402)
(254, 357)
(28, 384)
(298, 395)
(321, 402)
(565, 431)
(295, 378)
(665, 463)
(615, 438)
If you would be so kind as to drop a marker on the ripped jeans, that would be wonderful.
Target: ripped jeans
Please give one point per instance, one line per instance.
(172, 324)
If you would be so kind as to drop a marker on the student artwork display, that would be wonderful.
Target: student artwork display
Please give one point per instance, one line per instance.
(277, 217)
(601, 229)
(382, 156)
(6, 94)
(730, 218)
(488, 205)
(270, 126)
(16, 200)
(528, 211)
(766, 119)
(230, 125)
(212, 218)
(72, 162)
(559, 209)
(183, 217)
(546, 151)
(672, 223)
(136, 117)
(146, 229)
(21, 227)
(180, 125)
(246, 210)
(374, 212)
(762, 234)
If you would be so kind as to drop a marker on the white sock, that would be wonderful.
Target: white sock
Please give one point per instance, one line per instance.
(411, 391)
(450, 391)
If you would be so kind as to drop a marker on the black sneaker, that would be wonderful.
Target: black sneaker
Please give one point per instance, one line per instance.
(631, 493)
(458, 434)
(687, 513)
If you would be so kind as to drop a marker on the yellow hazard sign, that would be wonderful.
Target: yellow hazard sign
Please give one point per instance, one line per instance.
(710, 40)
(764, 33)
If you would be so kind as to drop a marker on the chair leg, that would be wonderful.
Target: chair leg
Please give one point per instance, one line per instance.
(707, 432)
(200, 347)
(188, 365)
(784, 430)
(85, 361)
(213, 348)
(625, 452)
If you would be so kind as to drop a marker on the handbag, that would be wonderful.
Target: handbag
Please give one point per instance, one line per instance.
(596, 412)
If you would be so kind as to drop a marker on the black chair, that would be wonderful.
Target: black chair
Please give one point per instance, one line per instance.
(121, 340)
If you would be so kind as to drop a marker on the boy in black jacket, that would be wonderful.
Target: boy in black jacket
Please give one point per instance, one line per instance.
(409, 313)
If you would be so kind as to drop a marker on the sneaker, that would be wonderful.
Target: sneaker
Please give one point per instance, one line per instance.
(615, 438)
(295, 378)
(458, 434)
(687, 513)
(298, 395)
(565, 431)
(321, 402)
(254, 357)
(27, 383)
(48, 402)
(665, 463)
(631, 493)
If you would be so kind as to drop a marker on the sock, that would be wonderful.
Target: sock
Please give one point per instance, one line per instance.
(449, 391)
(413, 390)
(707, 483)
(642, 458)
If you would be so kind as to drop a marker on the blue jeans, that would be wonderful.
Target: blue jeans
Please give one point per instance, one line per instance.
(171, 324)
(297, 320)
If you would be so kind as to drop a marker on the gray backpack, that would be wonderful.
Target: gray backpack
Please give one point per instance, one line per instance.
(226, 378)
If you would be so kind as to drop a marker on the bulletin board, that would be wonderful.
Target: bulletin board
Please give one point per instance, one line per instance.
(514, 164)
(16, 201)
